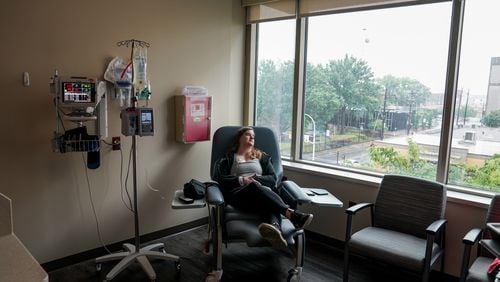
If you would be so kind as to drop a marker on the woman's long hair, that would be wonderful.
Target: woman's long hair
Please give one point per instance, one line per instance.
(255, 153)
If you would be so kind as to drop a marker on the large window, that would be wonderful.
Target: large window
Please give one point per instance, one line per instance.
(374, 88)
(475, 159)
(274, 89)
(373, 93)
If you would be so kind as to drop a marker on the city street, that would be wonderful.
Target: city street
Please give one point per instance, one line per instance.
(358, 153)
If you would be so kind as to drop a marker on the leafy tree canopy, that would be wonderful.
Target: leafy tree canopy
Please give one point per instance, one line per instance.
(401, 91)
(486, 176)
(492, 119)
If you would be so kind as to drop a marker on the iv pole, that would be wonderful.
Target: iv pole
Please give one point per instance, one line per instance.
(135, 252)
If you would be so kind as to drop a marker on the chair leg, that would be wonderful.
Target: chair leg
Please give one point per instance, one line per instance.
(425, 277)
(427, 270)
(346, 263)
(216, 274)
(301, 249)
(442, 263)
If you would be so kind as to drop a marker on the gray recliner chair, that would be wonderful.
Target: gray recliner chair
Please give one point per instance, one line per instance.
(228, 224)
(477, 271)
(407, 226)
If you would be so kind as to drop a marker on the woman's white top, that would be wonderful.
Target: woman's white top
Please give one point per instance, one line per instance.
(242, 167)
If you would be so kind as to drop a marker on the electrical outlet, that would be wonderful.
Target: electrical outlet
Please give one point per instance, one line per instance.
(116, 142)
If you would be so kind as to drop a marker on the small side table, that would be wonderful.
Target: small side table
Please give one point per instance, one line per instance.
(178, 204)
(321, 197)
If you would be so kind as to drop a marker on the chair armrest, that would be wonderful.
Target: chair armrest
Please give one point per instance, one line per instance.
(472, 237)
(292, 194)
(354, 209)
(435, 227)
(431, 231)
(214, 195)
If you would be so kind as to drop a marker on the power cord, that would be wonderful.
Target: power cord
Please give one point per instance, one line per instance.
(92, 205)
(122, 189)
(125, 188)
(148, 184)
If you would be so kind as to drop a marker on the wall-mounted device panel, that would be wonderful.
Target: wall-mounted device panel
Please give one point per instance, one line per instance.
(193, 118)
(137, 121)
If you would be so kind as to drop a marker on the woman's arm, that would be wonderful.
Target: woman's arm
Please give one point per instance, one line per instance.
(268, 177)
(223, 175)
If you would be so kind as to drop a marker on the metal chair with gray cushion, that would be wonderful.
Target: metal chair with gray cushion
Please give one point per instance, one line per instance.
(478, 270)
(407, 226)
(229, 224)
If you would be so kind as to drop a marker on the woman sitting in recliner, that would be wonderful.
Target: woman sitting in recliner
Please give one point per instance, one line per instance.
(247, 179)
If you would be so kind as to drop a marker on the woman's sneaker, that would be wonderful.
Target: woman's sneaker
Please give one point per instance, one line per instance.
(300, 219)
(273, 235)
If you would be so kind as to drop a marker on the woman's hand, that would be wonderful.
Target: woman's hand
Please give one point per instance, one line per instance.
(249, 179)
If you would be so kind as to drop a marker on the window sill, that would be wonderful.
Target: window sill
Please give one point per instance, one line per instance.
(454, 196)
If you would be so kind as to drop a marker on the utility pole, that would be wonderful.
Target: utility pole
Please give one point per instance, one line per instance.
(384, 116)
(459, 103)
(466, 103)
(409, 120)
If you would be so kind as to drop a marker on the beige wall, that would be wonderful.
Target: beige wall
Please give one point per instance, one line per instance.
(192, 42)
(461, 215)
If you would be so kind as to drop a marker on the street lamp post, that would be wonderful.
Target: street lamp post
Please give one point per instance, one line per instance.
(314, 134)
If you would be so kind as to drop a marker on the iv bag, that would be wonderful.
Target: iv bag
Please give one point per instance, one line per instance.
(140, 69)
(118, 70)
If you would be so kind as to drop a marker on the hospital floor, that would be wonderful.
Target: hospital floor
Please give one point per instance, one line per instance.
(240, 263)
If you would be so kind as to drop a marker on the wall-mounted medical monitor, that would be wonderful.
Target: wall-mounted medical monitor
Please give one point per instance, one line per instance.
(78, 92)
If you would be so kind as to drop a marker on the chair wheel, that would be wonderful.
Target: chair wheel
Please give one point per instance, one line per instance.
(177, 267)
(293, 276)
(98, 266)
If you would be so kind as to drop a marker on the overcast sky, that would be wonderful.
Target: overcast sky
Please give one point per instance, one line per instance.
(405, 42)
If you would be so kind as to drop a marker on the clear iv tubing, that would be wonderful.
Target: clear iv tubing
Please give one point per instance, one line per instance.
(125, 69)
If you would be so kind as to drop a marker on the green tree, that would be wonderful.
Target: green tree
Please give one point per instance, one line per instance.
(492, 119)
(392, 161)
(320, 100)
(471, 112)
(352, 81)
(424, 117)
(403, 91)
(388, 158)
(274, 95)
(487, 176)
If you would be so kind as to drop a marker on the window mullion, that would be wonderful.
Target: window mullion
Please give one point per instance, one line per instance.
(251, 34)
(298, 87)
(450, 90)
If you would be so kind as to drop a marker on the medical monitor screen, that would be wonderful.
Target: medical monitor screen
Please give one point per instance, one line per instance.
(78, 92)
(146, 117)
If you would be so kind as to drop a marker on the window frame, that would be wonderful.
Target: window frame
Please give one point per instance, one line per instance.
(450, 92)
